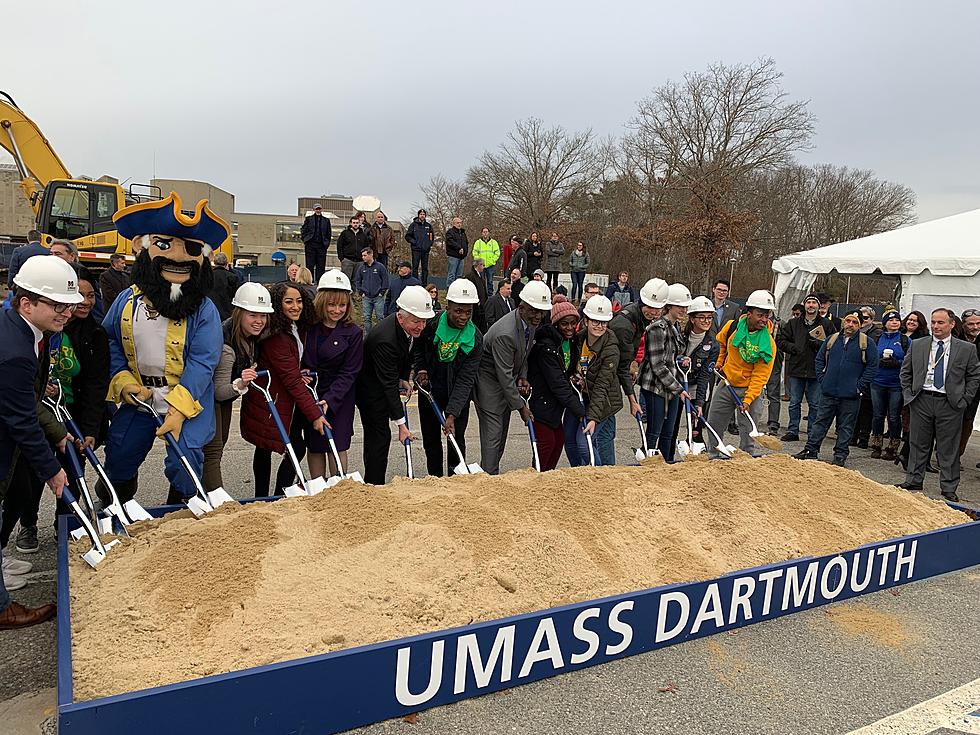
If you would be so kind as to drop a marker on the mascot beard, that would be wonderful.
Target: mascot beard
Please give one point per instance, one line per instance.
(172, 300)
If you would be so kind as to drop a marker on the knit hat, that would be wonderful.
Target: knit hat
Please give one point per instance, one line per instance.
(815, 297)
(558, 298)
(855, 314)
(890, 314)
(562, 309)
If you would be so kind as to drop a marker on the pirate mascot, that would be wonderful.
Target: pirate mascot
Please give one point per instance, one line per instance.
(164, 340)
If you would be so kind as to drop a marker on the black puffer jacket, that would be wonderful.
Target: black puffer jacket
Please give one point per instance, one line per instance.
(800, 348)
(552, 394)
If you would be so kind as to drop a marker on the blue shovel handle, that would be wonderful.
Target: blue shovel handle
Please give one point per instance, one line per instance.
(76, 466)
(67, 497)
(530, 431)
(280, 427)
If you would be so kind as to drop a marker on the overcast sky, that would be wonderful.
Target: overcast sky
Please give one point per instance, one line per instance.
(275, 100)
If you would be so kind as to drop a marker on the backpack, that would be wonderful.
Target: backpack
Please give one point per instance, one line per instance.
(862, 341)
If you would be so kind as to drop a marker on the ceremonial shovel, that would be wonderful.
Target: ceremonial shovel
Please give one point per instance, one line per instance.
(462, 468)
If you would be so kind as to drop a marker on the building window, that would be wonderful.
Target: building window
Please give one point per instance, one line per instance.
(287, 232)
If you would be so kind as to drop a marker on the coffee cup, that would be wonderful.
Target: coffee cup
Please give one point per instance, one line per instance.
(887, 353)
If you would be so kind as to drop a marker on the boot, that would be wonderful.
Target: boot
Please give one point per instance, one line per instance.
(890, 451)
(875, 445)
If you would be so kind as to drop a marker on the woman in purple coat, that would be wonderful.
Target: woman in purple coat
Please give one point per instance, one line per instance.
(334, 350)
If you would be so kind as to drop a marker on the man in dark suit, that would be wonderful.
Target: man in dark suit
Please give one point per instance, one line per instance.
(22, 253)
(384, 376)
(476, 277)
(24, 445)
(503, 372)
(316, 238)
(225, 284)
(499, 305)
(725, 310)
(939, 378)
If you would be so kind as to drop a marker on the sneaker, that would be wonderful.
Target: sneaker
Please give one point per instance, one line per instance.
(803, 454)
(13, 581)
(16, 566)
(788, 437)
(27, 540)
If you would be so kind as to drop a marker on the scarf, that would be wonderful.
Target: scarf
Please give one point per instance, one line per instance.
(449, 341)
(752, 346)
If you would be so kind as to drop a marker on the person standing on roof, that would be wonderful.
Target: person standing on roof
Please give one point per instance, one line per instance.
(745, 358)
(316, 239)
(447, 361)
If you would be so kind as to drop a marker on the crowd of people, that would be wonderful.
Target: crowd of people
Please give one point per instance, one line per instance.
(499, 346)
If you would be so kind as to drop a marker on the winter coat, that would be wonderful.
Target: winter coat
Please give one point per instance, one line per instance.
(842, 371)
(535, 251)
(382, 239)
(90, 386)
(518, 260)
(579, 262)
(889, 367)
(751, 376)
(480, 284)
(371, 280)
(553, 251)
(628, 325)
(419, 235)
(351, 242)
(799, 348)
(230, 367)
(488, 250)
(605, 399)
(658, 371)
(309, 231)
(552, 392)
(113, 283)
(452, 382)
(702, 367)
(279, 354)
(396, 284)
(223, 290)
(456, 243)
(622, 295)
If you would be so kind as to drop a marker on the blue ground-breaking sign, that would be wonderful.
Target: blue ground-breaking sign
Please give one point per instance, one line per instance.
(338, 691)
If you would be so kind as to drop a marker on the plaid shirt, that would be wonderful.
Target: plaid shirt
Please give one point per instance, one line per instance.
(658, 373)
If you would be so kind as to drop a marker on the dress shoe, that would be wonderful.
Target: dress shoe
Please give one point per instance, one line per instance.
(909, 486)
(863, 443)
(16, 566)
(803, 454)
(951, 497)
(787, 437)
(18, 616)
(839, 461)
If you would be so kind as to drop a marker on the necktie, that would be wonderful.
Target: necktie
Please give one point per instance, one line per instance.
(41, 346)
(507, 302)
(527, 337)
(939, 368)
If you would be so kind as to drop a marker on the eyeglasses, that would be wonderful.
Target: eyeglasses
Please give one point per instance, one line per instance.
(58, 308)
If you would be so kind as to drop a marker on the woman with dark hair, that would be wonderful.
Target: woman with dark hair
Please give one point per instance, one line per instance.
(280, 353)
(243, 330)
(915, 325)
(886, 389)
(434, 293)
(535, 252)
(334, 350)
(701, 347)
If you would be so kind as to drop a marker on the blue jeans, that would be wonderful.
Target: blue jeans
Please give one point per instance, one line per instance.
(576, 448)
(605, 441)
(488, 274)
(798, 387)
(578, 283)
(454, 270)
(661, 416)
(886, 402)
(845, 410)
(376, 306)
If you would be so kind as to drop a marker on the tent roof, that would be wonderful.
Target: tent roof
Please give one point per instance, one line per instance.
(945, 247)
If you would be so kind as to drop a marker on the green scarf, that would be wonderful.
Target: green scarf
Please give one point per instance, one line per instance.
(449, 341)
(752, 346)
(65, 366)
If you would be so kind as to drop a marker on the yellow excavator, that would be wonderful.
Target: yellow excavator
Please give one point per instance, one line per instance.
(65, 207)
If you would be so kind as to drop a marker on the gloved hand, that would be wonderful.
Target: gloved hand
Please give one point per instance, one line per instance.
(173, 423)
(127, 392)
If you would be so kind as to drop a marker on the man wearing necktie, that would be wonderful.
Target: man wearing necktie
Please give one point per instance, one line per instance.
(939, 378)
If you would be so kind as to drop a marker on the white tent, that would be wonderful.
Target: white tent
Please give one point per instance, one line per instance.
(937, 264)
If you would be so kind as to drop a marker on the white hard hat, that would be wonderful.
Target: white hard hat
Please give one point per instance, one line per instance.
(253, 297)
(537, 294)
(761, 300)
(700, 304)
(678, 295)
(334, 279)
(654, 293)
(598, 308)
(462, 291)
(50, 277)
(416, 301)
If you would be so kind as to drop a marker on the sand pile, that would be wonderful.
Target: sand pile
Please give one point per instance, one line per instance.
(359, 564)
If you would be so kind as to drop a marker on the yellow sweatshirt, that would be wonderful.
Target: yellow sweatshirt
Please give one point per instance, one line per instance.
(741, 374)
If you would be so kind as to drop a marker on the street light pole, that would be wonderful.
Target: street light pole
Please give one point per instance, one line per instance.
(731, 273)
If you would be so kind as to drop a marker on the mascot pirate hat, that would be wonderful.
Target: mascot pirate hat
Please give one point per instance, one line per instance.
(164, 217)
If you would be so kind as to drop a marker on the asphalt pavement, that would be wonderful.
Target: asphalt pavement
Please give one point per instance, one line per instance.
(804, 673)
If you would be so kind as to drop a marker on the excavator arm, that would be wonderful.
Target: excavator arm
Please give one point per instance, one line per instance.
(36, 161)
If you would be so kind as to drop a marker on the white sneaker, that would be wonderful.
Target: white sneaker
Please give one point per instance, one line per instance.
(16, 566)
(13, 581)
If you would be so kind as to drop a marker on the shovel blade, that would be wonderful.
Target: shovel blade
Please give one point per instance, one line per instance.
(219, 496)
(333, 480)
(294, 491)
(197, 506)
(461, 469)
(317, 485)
(474, 468)
(355, 476)
(653, 452)
(683, 449)
(93, 557)
(136, 511)
(638, 453)
(697, 448)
